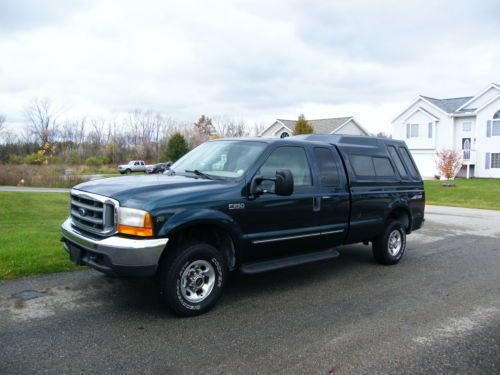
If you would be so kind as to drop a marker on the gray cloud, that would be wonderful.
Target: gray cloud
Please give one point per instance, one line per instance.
(258, 60)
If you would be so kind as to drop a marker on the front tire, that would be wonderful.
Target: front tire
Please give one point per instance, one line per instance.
(192, 278)
(389, 247)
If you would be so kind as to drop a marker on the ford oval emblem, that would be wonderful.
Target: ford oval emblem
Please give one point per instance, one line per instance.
(82, 211)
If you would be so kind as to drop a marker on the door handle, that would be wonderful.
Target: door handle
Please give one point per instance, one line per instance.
(316, 204)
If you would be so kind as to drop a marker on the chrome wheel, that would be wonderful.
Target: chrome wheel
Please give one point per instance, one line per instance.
(197, 281)
(394, 242)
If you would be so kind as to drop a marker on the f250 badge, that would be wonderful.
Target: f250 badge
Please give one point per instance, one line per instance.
(236, 206)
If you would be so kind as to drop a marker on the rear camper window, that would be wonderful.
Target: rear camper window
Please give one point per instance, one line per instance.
(363, 165)
(409, 162)
(368, 166)
(397, 160)
(383, 167)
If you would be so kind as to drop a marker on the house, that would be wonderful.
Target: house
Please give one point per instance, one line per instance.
(339, 125)
(469, 124)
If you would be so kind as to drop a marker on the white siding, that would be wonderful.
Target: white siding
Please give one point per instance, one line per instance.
(275, 130)
(483, 99)
(350, 128)
(486, 144)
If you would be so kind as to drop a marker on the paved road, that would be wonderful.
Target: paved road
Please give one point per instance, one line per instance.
(438, 311)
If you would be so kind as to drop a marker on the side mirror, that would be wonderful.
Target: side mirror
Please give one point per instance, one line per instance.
(283, 183)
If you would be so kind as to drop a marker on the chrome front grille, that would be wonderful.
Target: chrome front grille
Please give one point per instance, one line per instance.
(93, 213)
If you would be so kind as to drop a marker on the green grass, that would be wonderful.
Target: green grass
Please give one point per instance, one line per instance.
(473, 193)
(30, 233)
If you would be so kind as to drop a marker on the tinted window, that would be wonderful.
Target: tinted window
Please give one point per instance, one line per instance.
(328, 173)
(292, 158)
(397, 160)
(383, 167)
(409, 162)
(362, 165)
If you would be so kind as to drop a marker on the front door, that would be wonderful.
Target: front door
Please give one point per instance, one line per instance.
(279, 225)
(466, 148)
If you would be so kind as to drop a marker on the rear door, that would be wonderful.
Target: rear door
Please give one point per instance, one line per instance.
(334, 196)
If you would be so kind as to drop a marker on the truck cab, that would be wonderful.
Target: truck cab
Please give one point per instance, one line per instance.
(248, 205)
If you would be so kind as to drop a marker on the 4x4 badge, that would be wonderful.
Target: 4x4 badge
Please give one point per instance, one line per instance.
(236, 206)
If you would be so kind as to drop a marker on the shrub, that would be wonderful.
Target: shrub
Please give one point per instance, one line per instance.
(37, 175)
(449, 163)
(95, 161)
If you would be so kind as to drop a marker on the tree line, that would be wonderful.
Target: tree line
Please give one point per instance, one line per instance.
(140, 134)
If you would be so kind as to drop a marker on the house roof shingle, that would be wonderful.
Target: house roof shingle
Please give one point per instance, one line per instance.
(325, 125)
(449, 105)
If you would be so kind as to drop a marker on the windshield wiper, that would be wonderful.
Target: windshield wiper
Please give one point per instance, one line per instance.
(200, 173)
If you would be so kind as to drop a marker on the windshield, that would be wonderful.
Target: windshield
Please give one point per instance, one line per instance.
(225, 159)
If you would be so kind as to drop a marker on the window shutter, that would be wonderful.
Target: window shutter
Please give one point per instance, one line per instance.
(487, 160)
(407, 130)
(430, 130)
(488, 128)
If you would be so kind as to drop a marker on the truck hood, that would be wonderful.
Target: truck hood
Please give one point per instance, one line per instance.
(151, 191)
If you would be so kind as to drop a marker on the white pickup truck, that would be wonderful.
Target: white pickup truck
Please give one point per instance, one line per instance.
(132, 166)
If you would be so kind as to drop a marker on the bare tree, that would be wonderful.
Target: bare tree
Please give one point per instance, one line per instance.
(2, 123)
(41, 116)
(228, 127)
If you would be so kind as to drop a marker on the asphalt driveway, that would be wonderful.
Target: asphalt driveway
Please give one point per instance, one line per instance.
(437, 311)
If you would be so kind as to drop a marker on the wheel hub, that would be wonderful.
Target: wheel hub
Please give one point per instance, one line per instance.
(197, 281)
(395, 242)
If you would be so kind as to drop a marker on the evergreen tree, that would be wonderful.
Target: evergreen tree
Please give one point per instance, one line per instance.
(176, 147)
(302, 126)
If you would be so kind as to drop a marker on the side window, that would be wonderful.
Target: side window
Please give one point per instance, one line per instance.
(287, 157)
(409, 162)
(383, 167)
(136, 163)
(397, 160)
(327, 167)
(363, 165)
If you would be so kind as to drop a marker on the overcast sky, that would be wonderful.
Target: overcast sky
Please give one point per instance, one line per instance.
(256, 60)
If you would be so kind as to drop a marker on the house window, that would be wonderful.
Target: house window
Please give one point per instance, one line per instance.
(411, 130)
(495, 160)
(467, 126)
(495, 124)
(495, 127)
(284, 135)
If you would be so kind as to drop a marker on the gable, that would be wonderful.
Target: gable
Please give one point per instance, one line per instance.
(273, 129)
(422, 105)
(351, 128)
(482, 99)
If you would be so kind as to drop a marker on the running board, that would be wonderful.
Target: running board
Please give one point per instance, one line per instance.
(277, 263)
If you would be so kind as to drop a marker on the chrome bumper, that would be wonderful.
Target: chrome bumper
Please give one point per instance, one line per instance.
(118, 252)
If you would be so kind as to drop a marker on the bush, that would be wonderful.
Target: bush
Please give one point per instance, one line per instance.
(15, 159)
(33, 159)
(95, 161)
(37, 175)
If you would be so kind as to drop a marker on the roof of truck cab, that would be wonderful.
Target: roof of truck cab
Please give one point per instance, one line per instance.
(343, 140)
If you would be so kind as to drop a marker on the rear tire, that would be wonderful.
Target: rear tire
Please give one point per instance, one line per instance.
(389, 247)
(192, 277)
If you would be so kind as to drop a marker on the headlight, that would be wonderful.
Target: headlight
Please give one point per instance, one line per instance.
(135, 222)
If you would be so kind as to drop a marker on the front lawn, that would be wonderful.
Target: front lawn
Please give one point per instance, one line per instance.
(29, 234)
(473, 193)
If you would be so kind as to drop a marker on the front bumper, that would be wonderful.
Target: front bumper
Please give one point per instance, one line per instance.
(113, 255)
